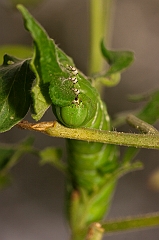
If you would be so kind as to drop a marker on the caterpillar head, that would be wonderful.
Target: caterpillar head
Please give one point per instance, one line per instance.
(74, 115)
(74, 99)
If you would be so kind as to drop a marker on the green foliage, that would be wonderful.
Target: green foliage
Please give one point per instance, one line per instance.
(91, 166)
(150, 115)
(10, 155)
(51, 78)
(55, 75)
(51, 155)
(150, 112)
(57, 83)
(18, 51)
(118, 62)
(16, 80)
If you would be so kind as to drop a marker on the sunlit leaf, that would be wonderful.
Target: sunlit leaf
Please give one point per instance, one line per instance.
(49, 64)
(15, 84)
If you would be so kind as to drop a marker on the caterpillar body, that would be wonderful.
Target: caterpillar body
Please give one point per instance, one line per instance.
(89, 164)
(75, 103)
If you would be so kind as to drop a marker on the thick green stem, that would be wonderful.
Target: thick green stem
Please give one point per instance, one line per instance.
(99, 29)
(54, 129)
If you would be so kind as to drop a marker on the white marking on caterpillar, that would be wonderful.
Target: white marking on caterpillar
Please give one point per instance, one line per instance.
(96, 115)
(73, 70)
(73, 80)
(76, 91)
(103, 116)
(76, 101)
(107, 118)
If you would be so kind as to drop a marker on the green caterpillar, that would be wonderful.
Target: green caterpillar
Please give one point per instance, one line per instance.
(75, 103)
(89, 164)
(90, 161)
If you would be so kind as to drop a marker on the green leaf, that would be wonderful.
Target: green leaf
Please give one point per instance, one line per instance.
(41, 101)
(150, 112)
(118, 60)
(43, 64)
(45, 58)
(19, 51)
(52, 156)
(49, 64)
(40, 94)
(15, 83)
(10, 154)
(5, 156)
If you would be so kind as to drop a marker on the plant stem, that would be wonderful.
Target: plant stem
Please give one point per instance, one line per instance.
(55, 129)
(140, 125)
(130, 223)
(99, 29)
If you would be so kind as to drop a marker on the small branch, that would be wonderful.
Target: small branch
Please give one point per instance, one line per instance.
(140, 125)
(54, 129)
(99, 29)
(131, 223)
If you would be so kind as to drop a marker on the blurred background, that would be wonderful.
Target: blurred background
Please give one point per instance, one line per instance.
(33, 206)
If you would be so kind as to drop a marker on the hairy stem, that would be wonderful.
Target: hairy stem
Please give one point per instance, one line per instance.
(55, 129)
